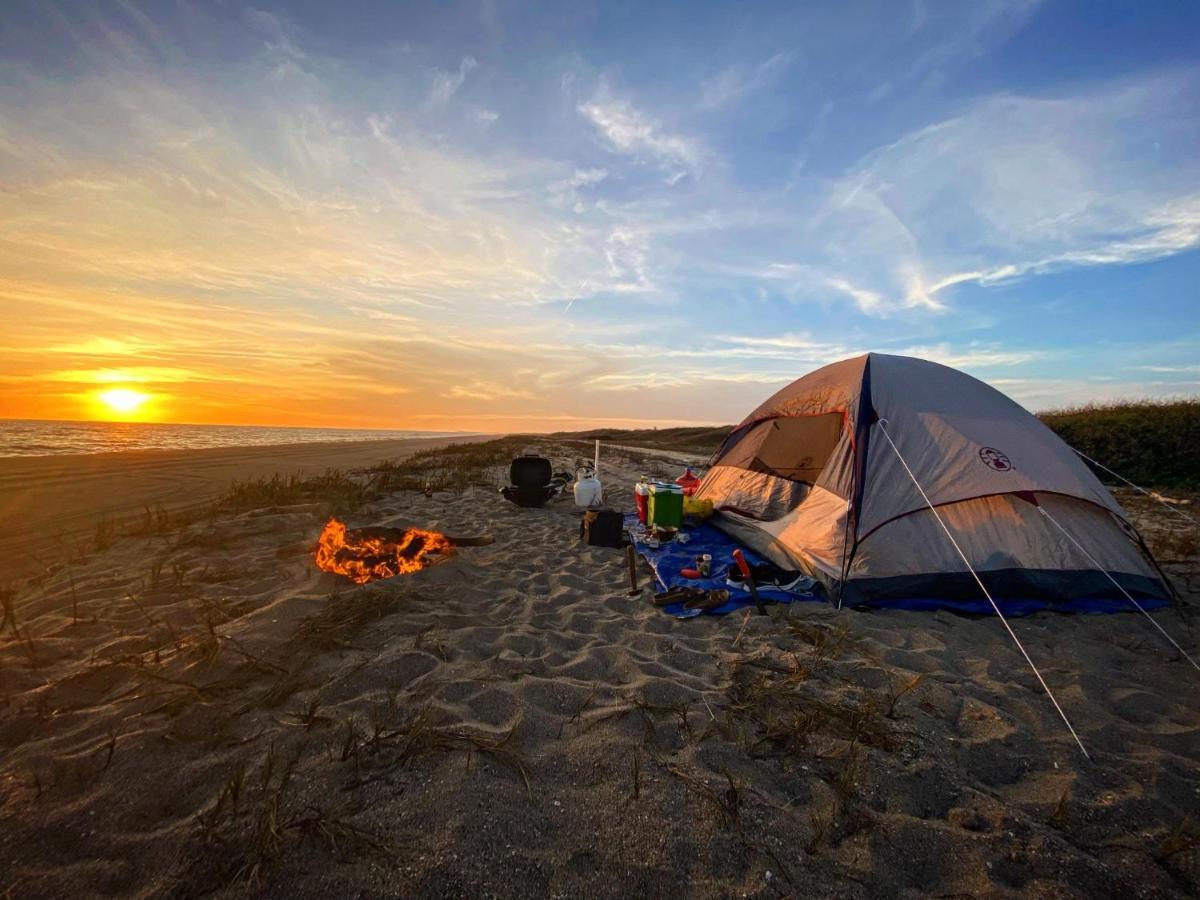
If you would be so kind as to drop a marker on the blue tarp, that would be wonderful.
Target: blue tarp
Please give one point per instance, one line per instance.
(667, 560)
(1015, 606)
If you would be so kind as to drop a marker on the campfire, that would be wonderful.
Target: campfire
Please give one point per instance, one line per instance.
(365, 554)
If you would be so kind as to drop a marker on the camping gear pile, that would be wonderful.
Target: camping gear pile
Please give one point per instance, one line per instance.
(677, 567)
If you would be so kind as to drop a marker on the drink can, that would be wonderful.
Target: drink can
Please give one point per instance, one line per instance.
(705, 565)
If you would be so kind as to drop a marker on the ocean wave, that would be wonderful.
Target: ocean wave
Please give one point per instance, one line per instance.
(27, 437)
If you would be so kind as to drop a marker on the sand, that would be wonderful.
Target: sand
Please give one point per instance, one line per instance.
(47, 499)
(203, 713)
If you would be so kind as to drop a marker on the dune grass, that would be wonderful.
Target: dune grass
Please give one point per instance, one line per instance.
(701, 439)
(453, 467)
(339, 489)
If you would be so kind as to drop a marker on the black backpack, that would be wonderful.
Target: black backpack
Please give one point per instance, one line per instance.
(602, 528)
(529, 472)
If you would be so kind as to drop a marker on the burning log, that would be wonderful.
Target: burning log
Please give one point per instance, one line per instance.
(365, 554)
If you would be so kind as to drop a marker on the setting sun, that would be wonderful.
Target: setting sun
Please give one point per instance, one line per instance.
(122, 400)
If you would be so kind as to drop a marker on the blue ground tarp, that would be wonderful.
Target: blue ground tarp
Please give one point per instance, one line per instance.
(1014, 606)
(667, 560)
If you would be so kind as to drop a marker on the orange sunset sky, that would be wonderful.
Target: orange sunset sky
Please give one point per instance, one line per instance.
(445, 220)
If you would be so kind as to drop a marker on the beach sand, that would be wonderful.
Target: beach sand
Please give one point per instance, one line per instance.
(202, 712)
(51, 499)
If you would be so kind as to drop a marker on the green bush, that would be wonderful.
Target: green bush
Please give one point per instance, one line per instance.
(1152, 443)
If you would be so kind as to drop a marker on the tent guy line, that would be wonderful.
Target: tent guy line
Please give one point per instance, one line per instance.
(1139, 606)
(882, 423)
(1153, 496)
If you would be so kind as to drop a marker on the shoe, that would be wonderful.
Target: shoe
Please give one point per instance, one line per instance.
(711, 600)
(767, 575)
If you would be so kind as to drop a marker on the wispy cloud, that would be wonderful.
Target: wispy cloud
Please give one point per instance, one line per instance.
(1171, 370)
(1016, 186)
(628, 130)
(446, 84)
(735, 82)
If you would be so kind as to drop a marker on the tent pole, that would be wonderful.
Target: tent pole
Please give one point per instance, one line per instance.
(1150, 494)
(1120, 587)
(845, 553)
(883, 427)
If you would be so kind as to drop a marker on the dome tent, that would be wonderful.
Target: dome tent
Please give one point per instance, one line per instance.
(889, 479)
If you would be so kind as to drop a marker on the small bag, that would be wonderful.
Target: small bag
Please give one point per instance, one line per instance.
(602, 528)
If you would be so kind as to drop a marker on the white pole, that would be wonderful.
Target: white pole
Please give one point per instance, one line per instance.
(1128, 596)
(882, 427)
(596, 465)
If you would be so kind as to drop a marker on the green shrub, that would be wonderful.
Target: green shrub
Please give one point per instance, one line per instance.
(1152, 443)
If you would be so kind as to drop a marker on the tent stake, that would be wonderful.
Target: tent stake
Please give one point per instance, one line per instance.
(1120, 588)
(882, 423)
(631, 559)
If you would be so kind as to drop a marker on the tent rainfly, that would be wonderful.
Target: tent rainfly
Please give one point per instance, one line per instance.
(900, 482)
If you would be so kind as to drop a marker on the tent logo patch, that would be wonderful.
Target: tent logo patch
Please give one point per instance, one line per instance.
(994, 459)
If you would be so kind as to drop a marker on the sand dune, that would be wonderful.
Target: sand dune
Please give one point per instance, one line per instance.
(204, 712)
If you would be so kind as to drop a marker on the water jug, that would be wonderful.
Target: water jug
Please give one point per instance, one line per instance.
(688, 481)
(587, 489)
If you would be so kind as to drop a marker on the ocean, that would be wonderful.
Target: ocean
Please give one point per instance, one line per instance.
(33, 437)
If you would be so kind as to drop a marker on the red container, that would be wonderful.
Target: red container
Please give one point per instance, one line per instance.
(689, 482)
(641, 497)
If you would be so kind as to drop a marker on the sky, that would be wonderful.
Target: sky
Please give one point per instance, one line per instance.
(491, 216)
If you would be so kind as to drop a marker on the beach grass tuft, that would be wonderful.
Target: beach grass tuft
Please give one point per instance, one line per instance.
(105, 534)
(345, 615)
(340, 490)
(1182, 838)
(453, 467)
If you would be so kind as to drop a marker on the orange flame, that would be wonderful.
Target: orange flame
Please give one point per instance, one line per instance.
(365, 555)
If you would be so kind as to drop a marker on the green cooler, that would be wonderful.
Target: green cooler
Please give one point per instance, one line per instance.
(665, 507)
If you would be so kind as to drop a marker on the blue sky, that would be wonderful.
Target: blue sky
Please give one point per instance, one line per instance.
(485, 215)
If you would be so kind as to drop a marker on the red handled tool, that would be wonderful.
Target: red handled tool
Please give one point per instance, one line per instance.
(744, 568)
